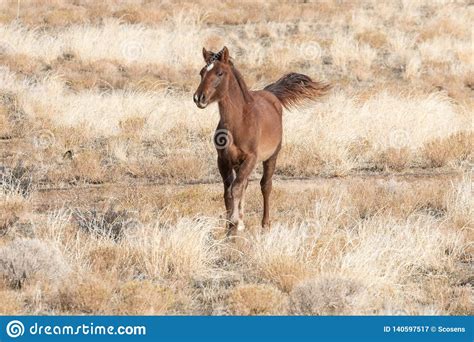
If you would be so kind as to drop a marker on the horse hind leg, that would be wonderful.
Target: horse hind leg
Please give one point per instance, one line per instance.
(266, 187)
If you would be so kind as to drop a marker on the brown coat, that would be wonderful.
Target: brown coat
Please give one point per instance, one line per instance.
(250, 126)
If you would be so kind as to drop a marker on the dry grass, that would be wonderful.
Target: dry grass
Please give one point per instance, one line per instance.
(12, 206)
(26, 260)
(107, 117)
(257, 300)
(11, 305)
(90, 295)
(143, 297)
(335, 255)
(186, 250)
(457, 147)
(281, 256)
(324, 296)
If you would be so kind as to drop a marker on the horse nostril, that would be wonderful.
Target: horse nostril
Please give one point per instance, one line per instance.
(203, 97)
(195, 97)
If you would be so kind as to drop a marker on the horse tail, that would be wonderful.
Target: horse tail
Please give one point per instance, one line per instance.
(293, 89)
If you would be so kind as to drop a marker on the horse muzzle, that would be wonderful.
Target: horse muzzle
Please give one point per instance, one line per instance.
(200, 100)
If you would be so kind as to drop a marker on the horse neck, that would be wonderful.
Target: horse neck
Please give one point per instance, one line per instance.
(231, 106)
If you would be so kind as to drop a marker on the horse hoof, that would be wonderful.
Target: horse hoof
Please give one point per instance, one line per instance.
(240, 226)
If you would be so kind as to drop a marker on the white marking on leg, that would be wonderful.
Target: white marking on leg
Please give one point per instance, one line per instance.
(235, 211)
(240, 225)
(242, 206)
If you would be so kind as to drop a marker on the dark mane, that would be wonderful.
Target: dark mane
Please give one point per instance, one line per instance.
(242, 85)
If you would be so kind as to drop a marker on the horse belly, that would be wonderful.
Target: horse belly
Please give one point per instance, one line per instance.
(265, 151)
(270, 128)
(264, 155)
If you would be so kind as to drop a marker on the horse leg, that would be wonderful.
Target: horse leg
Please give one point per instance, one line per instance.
(228, 176)
(238, 187)
(266, 187)
(242, 206)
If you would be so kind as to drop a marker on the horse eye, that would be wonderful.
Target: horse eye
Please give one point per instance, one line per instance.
(220, 73)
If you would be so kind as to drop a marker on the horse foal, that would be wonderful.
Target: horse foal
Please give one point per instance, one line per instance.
(250, 126)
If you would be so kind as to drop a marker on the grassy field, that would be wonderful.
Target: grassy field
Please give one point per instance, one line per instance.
(110, 198)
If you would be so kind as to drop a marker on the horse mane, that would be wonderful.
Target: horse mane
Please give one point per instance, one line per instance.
(240, 81)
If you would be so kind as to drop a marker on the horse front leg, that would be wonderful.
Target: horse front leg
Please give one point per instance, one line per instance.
(242, 205)
(228, 176)
(238, 188)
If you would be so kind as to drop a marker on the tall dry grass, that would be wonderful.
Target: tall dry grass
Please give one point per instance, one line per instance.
(100, 95)
(333, 262)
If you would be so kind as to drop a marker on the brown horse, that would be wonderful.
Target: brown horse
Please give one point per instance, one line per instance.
(250, 126)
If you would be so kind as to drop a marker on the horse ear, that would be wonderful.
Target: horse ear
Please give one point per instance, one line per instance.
(206, 54)
(224, 55)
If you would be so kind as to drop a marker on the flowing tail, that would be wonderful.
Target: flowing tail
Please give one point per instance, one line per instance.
(293, 89)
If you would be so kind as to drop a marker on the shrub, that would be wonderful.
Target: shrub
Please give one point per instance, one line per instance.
(88, 167)
(375, 39)
(395, 159)
(12, 207)
(110, 224)
(104, 258)
(143, 298)
(457, 147)
(132, 127)
(18, 179)
(86, 295)
(113, 259)
(257, 299)
(459, 204)
(9, 303)
(15, 185)
(5, 125)
(324, 296)
(26, 259)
